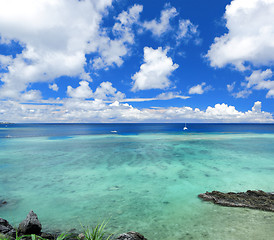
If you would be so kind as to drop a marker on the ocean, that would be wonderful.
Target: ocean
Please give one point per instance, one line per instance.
(139, 177)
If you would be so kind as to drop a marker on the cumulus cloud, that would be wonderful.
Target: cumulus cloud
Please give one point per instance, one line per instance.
(159, 27)
(112, 51)
(186, 31)
(103, 92)
(32, 95)
(83, 91)
(258, 76)
(250, 35)
(242, 94)
(79, 110)
(199, 88)
(258, 80)
(230, 87)
(155, 71)
(107, 92)
(54, 87)
(257, 107)
(125, 20)
(56, 36)
(85, 76)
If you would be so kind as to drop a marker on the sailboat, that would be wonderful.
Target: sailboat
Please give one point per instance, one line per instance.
(185, 128)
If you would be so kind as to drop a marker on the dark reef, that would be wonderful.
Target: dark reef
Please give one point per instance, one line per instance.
(251, 199)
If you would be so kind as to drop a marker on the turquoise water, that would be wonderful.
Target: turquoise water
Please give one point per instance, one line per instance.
(145, 182)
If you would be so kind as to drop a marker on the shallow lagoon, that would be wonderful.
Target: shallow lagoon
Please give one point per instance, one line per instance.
(147, 182)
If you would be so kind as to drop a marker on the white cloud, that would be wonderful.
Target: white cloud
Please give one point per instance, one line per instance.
(55, 35)
(162, 26)
(230, 87)
(79, 110)
(83, 91)
(5, 61)
(170, 95)
(155, 70)
(186, 31)
(32, 95)
(250, 35)
(85, 76)
(242, 94)
(162, 96)
(258, 76)
(106, 92)
(112, 51)
(125, 20)
(259, 80)
(54, 87)
(199, 89)
(269, 85)
(257, 107)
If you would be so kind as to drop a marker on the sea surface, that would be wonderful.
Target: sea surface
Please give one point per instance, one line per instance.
(139, 177)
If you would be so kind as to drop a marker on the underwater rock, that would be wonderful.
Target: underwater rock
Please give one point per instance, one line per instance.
(131, 236)
(250, 199)
(6, 228)
(30, 225)
(114, 188)
(3, 202)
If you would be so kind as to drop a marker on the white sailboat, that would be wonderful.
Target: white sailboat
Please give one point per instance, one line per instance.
(185, 128)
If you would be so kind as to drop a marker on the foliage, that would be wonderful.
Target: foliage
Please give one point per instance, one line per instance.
(62, 236)
(33, 237)
(91, 233)
(3, 237)
(97, 232)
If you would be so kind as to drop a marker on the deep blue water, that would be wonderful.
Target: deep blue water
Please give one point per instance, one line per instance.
(62, 130)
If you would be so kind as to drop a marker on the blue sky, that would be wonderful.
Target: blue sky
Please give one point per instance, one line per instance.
(136, 61)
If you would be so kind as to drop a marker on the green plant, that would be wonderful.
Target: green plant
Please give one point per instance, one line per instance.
(17, 237)
(97, 232)
(62, 236)
(33, 237)
(3, 237)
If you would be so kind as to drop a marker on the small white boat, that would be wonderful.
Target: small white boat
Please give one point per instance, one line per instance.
(185, 128)
(113, 131)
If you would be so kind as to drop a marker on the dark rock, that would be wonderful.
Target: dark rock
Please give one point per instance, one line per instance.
(6, 228)
(3, 202)
(250, 199)
(81, 236)
(30, 225)
(131, 236)
(47, 236)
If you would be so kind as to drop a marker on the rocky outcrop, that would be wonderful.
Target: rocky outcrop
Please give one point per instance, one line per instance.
(6, 228)
(30, 225)
(131, 236)
(250, 199)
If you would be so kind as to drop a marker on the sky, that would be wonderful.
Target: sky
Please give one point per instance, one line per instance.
(137, 61)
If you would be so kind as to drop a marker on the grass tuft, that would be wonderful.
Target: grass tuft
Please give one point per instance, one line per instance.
(97, 232)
